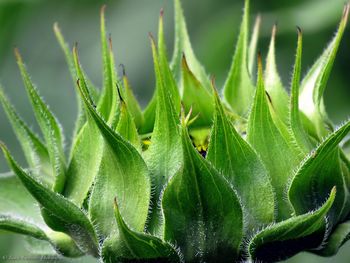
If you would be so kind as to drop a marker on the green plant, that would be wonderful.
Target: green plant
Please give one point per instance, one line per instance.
(257, 176)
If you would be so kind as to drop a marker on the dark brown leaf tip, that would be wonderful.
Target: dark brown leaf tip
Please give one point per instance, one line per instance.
(115, 203)
(151, 37)
(119, 94)
(110, 41)
(17, 55)
(259, 59)
(184, 62)
(268, 96)
(161, 13)
(103, 9)
(123, 69)
(300, 32)
(213, 80)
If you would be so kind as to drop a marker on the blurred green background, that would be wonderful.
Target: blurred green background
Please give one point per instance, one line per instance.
(213, 27)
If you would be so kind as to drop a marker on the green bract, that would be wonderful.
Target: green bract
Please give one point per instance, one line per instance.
(259, 175)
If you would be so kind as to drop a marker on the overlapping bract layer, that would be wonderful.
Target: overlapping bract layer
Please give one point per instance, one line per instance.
(259, 174)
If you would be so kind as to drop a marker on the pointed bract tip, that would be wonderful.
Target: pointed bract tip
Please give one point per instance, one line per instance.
(346, 12)
(300, 32)
(75, 50)
(123, 69)
(115, 203)
(151, 37)
(4, 148)
(258, 18)
(56, 28)
(334, 190)
(212, 80)
(257, 22)
(102, 10)
(17, 54)
(161, 13)
(274, 30)
(2, 145)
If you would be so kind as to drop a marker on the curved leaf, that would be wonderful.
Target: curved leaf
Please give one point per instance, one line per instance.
(85, 155)
(291, 236)
(168, 79)
(16, 200)
(71, 65)
(20, 213)
(34, 150)
(253, 45)
(337, 238)
(108, 102)
(59, 214)
(272, 146)
(164, 155)
(315, 82)
(295, 122)
(49, 126)
(202, 212)
(167, 74)
(317, 174)
(62, 243)
(273, 84)
(122, 173)
(238, 88)
(237, 161)
(134, 246)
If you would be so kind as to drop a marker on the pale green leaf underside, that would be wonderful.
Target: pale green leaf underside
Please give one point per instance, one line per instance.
(58, 212)
(238, 88)
(315, 82)
(273, 84)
